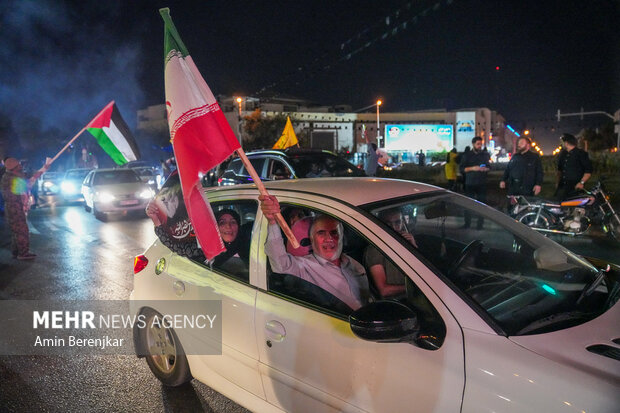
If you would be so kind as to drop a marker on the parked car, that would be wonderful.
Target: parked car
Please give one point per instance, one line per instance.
(114, 191)
(289, 164)
(49, 183)
(71, 184)
(496, 319)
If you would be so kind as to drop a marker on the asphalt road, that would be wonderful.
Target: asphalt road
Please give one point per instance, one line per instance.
(81, 258)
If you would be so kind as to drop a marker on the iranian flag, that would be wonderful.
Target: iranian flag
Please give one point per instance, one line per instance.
(201, 136)
(113, 135)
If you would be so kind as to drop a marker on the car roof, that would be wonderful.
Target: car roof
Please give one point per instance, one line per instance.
(78, 169)
(353, 190)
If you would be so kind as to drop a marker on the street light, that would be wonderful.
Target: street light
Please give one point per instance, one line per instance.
(239, 100)
(379, 102)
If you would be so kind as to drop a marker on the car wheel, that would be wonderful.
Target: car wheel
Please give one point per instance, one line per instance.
(164, 353)
(86, 207)
(535, 219)
(99, 215)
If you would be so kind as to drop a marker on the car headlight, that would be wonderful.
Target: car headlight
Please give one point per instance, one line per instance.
(105, 197)
(48, 184)
(68, 187)
(146, 194)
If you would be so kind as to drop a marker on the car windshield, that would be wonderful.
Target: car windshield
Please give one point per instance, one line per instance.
(144, 171)
(77, 174)
(524, 282)
(50, 175)
(322, 165)
(119, 176)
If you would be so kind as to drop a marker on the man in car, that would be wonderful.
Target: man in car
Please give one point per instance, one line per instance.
(327, 267)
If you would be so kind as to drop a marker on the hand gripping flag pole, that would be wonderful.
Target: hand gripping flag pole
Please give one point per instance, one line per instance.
(201, 137)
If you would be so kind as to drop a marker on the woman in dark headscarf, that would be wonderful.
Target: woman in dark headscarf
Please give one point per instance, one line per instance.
(235, 259)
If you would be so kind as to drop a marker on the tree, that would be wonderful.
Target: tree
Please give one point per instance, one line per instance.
(262, 132)
(600, 139)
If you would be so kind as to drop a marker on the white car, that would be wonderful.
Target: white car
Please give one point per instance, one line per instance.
(497, 319)
(108, 191)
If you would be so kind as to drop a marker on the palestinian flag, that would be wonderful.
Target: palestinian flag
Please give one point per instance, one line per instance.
(288, 137)
(114, 136)
(201, 136)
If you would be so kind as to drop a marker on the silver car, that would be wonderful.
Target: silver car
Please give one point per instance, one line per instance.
(114, 191)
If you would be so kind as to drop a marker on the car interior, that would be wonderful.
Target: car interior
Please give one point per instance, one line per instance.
(354, 245)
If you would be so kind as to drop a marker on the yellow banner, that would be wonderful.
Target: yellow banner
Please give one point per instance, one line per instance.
(288, 137)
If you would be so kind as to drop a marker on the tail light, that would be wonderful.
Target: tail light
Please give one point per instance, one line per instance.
(139, 263)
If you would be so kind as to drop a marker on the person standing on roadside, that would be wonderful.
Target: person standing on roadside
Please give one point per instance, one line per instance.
(14, 186)
(475, 166)
(524, 173)
(574, 168)
(372, 160)
(451, 168)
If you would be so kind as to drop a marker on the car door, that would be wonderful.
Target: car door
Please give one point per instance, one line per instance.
(198, 282)
(311, 361)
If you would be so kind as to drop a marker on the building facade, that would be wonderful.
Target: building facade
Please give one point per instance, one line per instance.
(339, 128)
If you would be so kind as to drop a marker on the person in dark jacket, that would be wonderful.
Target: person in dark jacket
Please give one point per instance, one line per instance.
(475, 166)
(524, 173)
(574, 168)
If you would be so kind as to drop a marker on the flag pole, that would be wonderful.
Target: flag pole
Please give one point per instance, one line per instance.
(67, 145)
(263, 191)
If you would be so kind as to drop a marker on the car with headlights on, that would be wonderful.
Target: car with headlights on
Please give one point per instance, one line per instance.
(498, 318)
(108, 191)
(49, 183)
(71, 184)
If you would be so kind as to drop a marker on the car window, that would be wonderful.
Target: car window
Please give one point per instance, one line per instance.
(235, 220)
(258, 164)
(118, 176)
(321, 165)
(76, 174)
(525, 283)
(235, 165)
(278, 170)
(358, 248)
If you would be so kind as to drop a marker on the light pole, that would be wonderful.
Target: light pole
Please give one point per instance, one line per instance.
(239, 100)
(379, 102)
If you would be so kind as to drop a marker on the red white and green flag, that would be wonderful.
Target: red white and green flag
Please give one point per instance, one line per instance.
(113, 135)
(201, 136)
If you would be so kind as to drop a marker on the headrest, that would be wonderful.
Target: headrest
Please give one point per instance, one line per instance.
(301, 230)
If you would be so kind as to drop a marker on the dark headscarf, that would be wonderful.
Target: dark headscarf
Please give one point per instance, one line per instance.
(234, 246)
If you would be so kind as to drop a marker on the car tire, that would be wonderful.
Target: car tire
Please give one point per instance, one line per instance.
(164, 352)
(86, 207)
(99, 215)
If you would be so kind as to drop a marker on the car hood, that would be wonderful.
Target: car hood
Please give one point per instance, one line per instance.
(593, 346)
(115, 189)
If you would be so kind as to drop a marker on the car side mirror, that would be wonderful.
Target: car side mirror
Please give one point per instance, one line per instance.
(385, 322)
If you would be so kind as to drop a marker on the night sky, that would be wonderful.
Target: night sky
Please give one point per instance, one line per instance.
(64, 60)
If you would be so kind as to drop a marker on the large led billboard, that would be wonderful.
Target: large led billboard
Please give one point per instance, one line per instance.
(465, 129)
(412, 138)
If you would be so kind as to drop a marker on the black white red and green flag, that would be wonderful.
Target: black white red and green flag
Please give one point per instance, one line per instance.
(113, 135)
(201, 136)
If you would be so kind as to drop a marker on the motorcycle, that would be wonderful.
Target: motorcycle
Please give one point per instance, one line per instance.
(573, 216)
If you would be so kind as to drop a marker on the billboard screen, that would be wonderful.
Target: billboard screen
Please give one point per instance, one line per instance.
(412, 138)
(465, 128)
